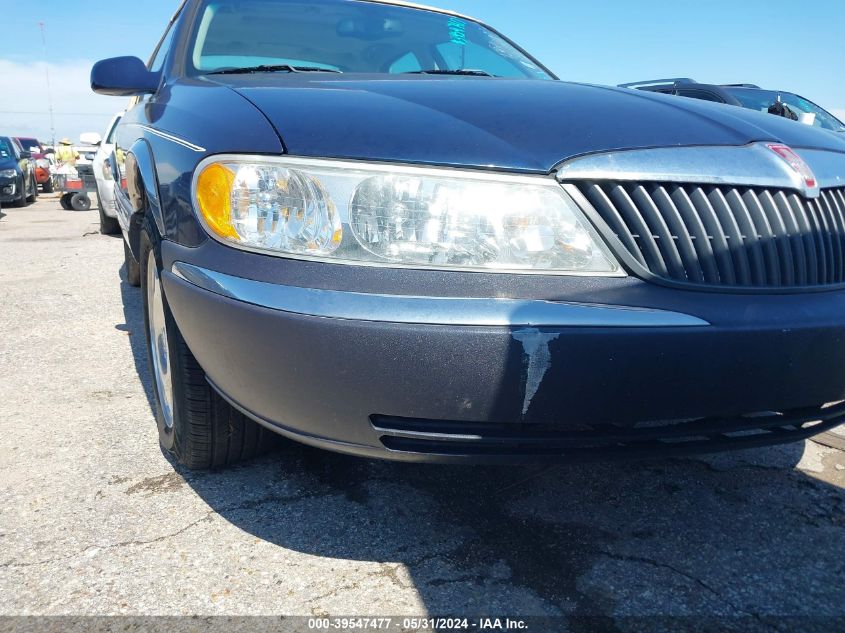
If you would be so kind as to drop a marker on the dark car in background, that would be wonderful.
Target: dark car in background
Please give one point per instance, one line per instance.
(17, 174)
(785, 104)
(388, 231)
(43, 166)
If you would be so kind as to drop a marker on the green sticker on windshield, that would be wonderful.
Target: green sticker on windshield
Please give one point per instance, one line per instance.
(457, 31)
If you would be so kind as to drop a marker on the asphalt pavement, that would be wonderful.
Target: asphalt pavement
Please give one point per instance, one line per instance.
(96, 520)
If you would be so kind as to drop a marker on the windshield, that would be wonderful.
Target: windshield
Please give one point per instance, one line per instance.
(30, 145)
(5, 149)
(762, 99)
(349, 36)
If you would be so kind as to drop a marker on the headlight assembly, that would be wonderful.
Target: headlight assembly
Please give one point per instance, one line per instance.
(401, 216)
(8, 173)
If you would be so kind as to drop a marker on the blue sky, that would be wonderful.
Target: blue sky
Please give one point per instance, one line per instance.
(781, 44)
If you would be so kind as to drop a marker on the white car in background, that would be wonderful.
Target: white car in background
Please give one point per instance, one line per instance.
(105, 180)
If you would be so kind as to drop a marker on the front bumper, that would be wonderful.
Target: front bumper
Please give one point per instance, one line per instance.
(499, 381)
(105, 190)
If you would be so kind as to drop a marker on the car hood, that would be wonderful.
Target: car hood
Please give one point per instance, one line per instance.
(8, 163)
(520, 125)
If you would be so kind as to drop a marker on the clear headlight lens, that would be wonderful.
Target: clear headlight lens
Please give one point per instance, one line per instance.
(269, 207)
(349, 212)
(8, 173)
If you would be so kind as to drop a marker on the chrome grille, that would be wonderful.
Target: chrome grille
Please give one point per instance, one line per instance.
(725, 235)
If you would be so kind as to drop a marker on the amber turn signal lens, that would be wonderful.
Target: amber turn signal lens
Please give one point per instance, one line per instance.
(214, 195)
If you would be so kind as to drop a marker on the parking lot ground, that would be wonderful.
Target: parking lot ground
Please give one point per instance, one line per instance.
(94, 519)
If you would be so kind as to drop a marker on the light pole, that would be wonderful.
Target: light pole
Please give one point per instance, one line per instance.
(49, 89)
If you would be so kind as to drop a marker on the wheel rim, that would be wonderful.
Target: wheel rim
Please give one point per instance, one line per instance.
(159, 349)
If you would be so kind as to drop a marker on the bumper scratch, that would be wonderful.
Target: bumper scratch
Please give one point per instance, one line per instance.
(535, 347)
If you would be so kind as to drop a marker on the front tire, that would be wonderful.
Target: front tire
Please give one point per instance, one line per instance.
(195, 425)
(32, 197)
(23, 200)
(133, 268)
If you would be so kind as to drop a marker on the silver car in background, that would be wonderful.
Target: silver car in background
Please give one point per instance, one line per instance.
(105, 180)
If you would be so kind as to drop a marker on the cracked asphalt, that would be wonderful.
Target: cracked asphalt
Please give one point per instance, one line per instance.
(95, 520)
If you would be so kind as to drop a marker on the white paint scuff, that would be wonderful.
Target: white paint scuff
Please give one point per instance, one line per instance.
(535, 346)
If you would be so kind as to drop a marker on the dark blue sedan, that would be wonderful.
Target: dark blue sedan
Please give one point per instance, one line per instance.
(389, 231)
(17, 174)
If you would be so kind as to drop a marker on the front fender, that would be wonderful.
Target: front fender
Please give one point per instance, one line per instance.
(166, 136)
(142, 193)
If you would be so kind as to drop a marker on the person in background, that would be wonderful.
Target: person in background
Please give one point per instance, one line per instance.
(66, 154)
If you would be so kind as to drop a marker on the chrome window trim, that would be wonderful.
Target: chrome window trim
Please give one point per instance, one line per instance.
(491, 312)
(753, 165)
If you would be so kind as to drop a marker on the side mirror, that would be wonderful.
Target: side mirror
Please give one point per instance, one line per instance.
(123, 77)
(25, 154)
(49, 150)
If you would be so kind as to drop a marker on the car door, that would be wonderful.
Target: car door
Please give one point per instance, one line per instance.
(24, 158)
(104, 153)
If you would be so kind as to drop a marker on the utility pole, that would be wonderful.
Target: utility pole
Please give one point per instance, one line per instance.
(49, 89)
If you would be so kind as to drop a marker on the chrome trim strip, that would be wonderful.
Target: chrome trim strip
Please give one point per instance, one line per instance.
(753, 165)
(173, 139)
(828, 167)
(426, 435)
(338, 304)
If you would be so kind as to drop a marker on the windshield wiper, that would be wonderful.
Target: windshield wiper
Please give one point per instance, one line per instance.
(276, 68)
(459, 71)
